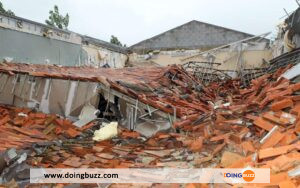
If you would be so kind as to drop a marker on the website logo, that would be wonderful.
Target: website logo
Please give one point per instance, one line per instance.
(247, 175)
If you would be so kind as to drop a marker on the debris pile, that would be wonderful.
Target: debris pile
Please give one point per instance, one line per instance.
(22, 127)
(220, 125)
(169, 89)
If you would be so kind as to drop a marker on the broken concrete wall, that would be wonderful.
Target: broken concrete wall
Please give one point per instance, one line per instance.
(162, 58)
(293, 22)
(251, 58)
(100, 56)
(296, 39)
(48, 95)
(288, 35)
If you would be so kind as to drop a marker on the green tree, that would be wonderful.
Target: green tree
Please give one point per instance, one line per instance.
(57, 20)
(115, 40)
(3, 11)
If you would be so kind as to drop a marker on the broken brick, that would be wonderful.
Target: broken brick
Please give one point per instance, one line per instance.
(229, 158)
(272, 140)
(196, 145)
(273, 96)
(289, 137)
(271, 152)
(218, 148)
(282, 104)
(4, 120)
(237, 138)
(275, 179)
(248, 146)
(72, 132)
(287, 184)
(297, 127)
(132, 134)
(271, 117)
(241, 163)
(296, 109)
(260, 122)
(73, 162)
(220, 137)
(295, 87)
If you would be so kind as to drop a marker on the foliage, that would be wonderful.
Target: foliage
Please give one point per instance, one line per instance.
(115, 40)
(3, 11)
(57, 20)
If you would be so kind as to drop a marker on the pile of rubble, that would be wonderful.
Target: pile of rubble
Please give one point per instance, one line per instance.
(220, 125)
(21, 127)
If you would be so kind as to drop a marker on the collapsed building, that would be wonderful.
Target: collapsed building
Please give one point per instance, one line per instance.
(211, 52)
(233, 104)
(66, 48)
(25, 41)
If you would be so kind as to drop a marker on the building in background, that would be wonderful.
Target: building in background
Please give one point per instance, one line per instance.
(190, 36)
(177, 45)
(27, 41)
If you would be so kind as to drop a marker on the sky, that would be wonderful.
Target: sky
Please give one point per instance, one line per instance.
(135, 20)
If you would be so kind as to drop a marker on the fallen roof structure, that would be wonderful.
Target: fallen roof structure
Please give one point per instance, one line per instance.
(160, 87)
(191, 116)
(209, 70)
(221, 125)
